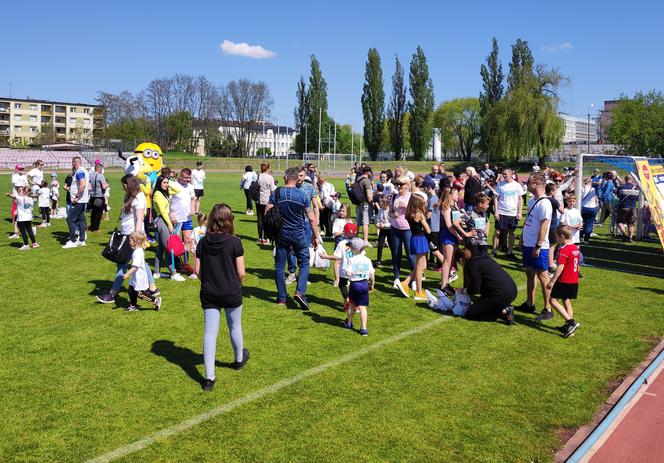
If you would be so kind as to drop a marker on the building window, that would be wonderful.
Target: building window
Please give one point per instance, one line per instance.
(17, 106)
(33, 118)
(72, 109)
(72, 130)
(45, 107)
(17, 128)
(33, 129)
(17, 117)
(33, 140)
(60, 109)
(86, 130)
(33, 107)
(72, 120)
(86, 110)
(45, 119)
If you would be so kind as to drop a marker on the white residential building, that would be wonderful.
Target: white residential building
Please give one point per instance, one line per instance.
(280, 139)
(577, 130)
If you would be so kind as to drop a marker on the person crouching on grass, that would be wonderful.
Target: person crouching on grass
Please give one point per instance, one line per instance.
(220, 268)
(565, 282)
(362, 278)
(138, 274)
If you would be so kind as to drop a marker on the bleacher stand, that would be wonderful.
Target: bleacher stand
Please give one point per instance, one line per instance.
(57, 160)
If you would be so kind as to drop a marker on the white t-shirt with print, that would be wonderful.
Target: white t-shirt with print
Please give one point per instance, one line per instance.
(181, 203)
(79, 175)
(572, 216)
(24, 206)
(359, 268)
(247, 179)
(37, 176)
(18, 180)
(197, 178)
(45, 197)
(128, 220)
(538, 210)
(343, 252)
(508, 198)
(139, 279)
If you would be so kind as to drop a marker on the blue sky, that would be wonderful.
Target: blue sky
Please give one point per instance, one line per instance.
(69, 50)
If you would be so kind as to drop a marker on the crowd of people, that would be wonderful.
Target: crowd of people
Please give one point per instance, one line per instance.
(437, 219)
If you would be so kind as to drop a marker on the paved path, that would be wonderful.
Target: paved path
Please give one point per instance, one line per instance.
(639, 436)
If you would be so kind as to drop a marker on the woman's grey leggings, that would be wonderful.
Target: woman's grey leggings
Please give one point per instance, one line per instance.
(161, 256)
(234, 322)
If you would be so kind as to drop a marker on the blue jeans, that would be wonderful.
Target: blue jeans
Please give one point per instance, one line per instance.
(588, 214)
(119, 274)
(76, 221)
(401, 237)
(301, 251)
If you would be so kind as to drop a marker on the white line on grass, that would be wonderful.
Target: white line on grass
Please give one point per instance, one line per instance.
(196, 420)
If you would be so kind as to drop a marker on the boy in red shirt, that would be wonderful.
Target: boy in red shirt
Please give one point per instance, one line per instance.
(565, 282)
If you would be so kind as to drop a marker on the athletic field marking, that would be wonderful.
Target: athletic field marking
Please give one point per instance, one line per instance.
(260, 393)
(232, 405)
(650, 393)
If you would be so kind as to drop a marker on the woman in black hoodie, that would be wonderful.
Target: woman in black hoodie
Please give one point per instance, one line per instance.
(497, 290)
(220, 268)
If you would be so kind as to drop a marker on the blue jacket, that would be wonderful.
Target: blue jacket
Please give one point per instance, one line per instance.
(606, 191)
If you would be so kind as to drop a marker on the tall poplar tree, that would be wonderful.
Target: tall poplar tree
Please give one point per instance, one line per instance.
(522, 65)
(397, 111)
(317, 103)
(492, 92)
(373, 104)
(301, 115)
(421, 108)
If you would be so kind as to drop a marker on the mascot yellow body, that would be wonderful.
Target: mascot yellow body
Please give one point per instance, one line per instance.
(145, 165)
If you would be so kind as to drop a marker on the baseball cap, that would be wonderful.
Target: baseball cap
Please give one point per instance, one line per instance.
(97, 161)
(53, 174)
(357, 244)
(350, 229)
(19, 167)
(428, 183)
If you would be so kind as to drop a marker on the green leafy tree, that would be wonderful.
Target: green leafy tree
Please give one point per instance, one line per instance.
(638, 124)
(317, 104)
(179, 127)
(492, 90)
(397, 111)
(373, 104)
(460, 117)
(264, 151)
(522, 65)
(421, 108)
(301, 115)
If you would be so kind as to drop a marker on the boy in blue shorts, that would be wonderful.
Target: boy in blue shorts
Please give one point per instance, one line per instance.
(361, 274)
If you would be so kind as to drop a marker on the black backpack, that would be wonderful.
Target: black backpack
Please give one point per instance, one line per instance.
(272, 219)
(255, 189)
(355, 193)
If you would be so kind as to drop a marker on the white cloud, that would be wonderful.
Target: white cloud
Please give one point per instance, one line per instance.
(244, 49)
(556, 47)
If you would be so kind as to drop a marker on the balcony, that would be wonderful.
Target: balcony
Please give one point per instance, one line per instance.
(60, 121)
(61, 109)
(46, 108)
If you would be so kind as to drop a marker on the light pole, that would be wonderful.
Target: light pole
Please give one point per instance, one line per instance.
(306, 136)
(588, 141)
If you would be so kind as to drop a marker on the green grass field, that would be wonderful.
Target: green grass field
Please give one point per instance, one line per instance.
(80, 379)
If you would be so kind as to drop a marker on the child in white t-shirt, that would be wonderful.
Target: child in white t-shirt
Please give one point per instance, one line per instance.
(361, 274)
(45, 204)
(571, 216)
(341, 253)
(340, 221)
(24, 210)
(138, 274)
(55, 194)
(199, 232)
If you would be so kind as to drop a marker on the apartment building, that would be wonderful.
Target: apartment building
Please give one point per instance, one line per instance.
(27, 121)
(278, 138)
(577, 129)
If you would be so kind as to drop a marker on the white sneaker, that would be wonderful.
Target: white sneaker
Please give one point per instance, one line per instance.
(42, 225)
(193, 276)
(397, 284)
(14, 236)
(413, 285)
(431, 299)
(48, 224)
(453, 277)
(177, 277)
(70, 245)
(156, 276)
(25, 247)
(291, 279)
(80, 244)
(35, 245)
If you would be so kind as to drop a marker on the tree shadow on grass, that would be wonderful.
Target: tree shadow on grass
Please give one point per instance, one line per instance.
(183, 357)
(317, 318)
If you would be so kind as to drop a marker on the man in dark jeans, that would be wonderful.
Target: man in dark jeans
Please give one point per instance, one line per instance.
(362, 210)
(98, 185)
(80, 195)
(295, 210)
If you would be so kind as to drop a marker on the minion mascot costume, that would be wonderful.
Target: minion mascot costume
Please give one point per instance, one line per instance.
(145, 165)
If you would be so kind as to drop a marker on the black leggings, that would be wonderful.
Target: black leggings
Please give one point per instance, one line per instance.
(26, 230)
(247, 195)
(260, 209)
(487, 308)
(383, 234)
(45, 214)
(326, 221)
(96, 213)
